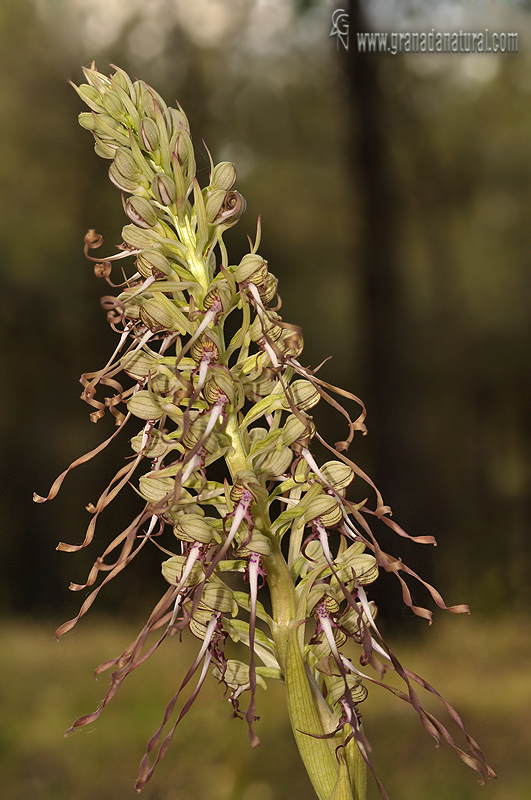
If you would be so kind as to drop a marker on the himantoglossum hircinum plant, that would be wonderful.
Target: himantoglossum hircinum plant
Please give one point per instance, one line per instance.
(199, 397)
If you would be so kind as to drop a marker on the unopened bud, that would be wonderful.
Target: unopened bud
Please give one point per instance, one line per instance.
(91, 96)
(141, 212)
(163, 187)
(104, 149)
(126, 164)
(223, 176)
(113, 105)
(87, 121)
(138, 238)
(178, 120)
(123, 183)
(149, 135)
(214, 204)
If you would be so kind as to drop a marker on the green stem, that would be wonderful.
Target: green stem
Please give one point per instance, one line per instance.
(333, 778)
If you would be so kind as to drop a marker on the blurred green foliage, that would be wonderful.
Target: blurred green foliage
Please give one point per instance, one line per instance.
(44, 686)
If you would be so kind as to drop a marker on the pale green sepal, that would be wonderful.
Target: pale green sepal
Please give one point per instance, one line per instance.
(265, 406)
(270, 672)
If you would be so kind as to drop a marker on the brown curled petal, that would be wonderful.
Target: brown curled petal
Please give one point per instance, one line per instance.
(93, 240)
(115, 309)
(57, 483)
(103, 269)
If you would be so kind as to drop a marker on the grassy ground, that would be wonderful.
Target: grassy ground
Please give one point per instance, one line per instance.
(481, 667)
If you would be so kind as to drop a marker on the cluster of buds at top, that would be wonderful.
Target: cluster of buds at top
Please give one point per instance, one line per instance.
(228, 481)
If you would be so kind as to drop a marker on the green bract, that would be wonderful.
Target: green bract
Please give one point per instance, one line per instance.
(221, 437)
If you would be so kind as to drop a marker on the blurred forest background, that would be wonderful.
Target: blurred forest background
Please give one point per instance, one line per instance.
(395, 195)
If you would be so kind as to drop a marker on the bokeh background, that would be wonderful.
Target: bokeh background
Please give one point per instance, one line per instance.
(395, 194)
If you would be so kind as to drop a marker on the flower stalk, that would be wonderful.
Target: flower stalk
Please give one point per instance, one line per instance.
(240, 401)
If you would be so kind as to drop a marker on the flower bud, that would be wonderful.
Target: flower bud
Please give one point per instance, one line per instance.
(148, 103)
(123, 183)
(91, 96)
(163, 187)
(325, 508)
(265, 327)
(141, 212)
(214, 204)
(96, 79)
(154, 488)
(196, 434)
(223, 176)
(295, 430)
(336, 689)
(274, 462)
(252, 268)
(303, 394)
(104, 149)
(152, 262)
(126, 164)
(138, 238)
(232, 209)
(181, 147)
(154, 447)
(113, 105)
(109, 129)
(173, 570)
(337, 474)
(143, 406)
(177, 120)
(149, 135)
(122, 79)
(87, 120)
(194, 528)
